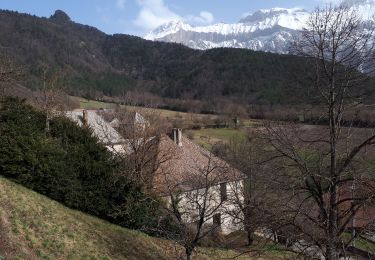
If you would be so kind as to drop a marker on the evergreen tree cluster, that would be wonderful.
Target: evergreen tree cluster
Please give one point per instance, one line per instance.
(68, 164)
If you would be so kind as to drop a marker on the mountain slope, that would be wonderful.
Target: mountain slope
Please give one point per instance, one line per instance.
(34, 227)
(265, 30)
(269, 30)
(94, 64)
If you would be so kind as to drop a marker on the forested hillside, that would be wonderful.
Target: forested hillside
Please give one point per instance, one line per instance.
(95, 62)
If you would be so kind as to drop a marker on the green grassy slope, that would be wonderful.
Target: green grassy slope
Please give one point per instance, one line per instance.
(35, 227)
(207, 137)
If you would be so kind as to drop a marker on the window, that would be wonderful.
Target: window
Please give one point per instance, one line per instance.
(223, 192)
(217, 220)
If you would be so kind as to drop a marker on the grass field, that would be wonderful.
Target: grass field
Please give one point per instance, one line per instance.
(179, 119)
(204, 136)
(207, 137)
(35, 227)
(92, 104)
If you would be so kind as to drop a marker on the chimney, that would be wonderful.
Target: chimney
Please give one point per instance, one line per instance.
(85, 118)
(177, 136)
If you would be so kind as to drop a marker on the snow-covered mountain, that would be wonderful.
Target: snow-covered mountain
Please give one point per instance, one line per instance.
(266, 30)
(269, 30)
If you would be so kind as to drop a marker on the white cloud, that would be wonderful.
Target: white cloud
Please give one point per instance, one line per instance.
(245, 14)
(154, 13)
(209, 17)
(203, 18)
(120, 4)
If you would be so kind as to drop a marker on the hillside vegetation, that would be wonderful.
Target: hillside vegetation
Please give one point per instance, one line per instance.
(34, 227)
(95, 63)
(70, 165)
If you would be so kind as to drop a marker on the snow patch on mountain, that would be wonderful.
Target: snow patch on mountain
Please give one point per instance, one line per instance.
(269, 30)
(260, 20)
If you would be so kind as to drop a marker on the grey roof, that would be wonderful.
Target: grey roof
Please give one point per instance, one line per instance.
(139, 119)
(101, 128)
(106, 131)
(115, 122)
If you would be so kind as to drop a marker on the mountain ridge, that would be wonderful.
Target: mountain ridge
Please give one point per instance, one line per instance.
(96, 65)
(270, 30)
(264, 30)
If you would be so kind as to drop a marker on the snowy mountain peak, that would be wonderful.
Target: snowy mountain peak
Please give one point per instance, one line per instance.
(358, 2)
(289, 18)
(364, 8)
(168, 28)
(269, 30)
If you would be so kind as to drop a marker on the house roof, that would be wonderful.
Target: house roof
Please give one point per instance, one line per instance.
(186, 167)
(130, 118)
(139, 119)
(190, 167)
(106, 131)
(101, 128)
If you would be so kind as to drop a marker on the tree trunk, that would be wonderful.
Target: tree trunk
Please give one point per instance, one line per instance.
(331, 253)
(250, 237)
(47, 129)
(248, 211)
(189, 253)
(334, 126)
(248, 228)
(332, 250)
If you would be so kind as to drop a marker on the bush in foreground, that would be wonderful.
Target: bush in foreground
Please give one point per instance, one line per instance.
(68, 164)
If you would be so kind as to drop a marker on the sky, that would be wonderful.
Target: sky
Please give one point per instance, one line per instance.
(138, 17)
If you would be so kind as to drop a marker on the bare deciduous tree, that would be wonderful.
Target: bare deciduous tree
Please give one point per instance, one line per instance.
(139, 149)
(196, 203)
(50, 96)
(249, 196)
(320, 177)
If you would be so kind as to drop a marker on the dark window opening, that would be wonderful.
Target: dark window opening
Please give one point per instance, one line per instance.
(217, 219)
(223, 192)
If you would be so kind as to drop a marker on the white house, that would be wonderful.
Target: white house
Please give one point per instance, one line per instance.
(197, 175)
(190, 170)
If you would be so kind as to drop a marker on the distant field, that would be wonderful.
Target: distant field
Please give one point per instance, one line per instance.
(33, 226)
(92, 104)
(204, 136)
(179, 119)
(209, 136)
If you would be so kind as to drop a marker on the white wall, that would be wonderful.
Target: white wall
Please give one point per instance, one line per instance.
(228, 223)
